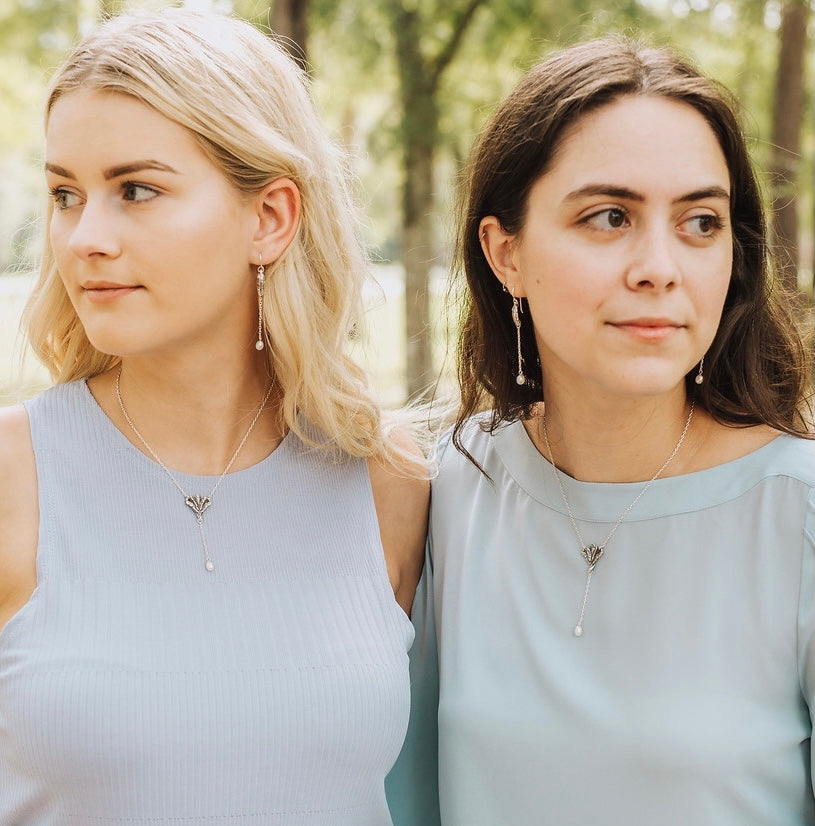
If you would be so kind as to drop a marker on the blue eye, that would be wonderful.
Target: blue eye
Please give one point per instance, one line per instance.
(138, 192)
(63, 198)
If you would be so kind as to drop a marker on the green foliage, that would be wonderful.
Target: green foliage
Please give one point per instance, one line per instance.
(733, 40)
(356, 82)
(38, 30)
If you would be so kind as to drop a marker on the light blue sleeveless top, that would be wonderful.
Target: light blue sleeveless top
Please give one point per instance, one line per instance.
(136, 687)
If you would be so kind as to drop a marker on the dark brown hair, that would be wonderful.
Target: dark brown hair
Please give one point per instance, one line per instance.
(757, 370)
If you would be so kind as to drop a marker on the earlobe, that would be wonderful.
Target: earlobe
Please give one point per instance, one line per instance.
(498, 247)
(278, 211)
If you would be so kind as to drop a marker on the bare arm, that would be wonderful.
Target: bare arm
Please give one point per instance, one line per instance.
(402, 503)
(19, 512)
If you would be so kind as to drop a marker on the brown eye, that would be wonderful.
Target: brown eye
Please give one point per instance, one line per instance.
(616, 218)
(608, 219)
(702, 226)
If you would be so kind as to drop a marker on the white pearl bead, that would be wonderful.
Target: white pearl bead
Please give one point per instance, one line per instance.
(258, 345)
(578, 630)
(210, 566)
(520, 379)
(699, 379)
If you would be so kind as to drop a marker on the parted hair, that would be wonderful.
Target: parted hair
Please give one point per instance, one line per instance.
(758, 368)
(248, 106)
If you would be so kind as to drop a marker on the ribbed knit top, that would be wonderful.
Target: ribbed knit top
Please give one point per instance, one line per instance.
(136, 687)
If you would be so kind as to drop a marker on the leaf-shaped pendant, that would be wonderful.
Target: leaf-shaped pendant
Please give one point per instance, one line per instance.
(592, 555)
(198, 504)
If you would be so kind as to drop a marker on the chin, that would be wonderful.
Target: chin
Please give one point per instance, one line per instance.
(650, 384)
(114, 342)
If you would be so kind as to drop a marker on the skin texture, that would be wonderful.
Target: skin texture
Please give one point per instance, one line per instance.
(611, 236)
(624, 261)
(158, 254)
(118, 221)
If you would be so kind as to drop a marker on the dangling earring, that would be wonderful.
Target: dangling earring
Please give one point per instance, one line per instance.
(261, 283)
(517, 309)
(700, 375)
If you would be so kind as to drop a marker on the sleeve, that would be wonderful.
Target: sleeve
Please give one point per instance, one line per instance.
(806, 621)
(412, 787)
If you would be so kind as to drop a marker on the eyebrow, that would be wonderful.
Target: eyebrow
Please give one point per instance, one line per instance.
(116, 171)
(624, 193)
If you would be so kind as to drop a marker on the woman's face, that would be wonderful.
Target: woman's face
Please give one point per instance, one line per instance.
(152, 242)
(626, 252)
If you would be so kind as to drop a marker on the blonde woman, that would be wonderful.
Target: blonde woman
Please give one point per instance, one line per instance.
(208, 544)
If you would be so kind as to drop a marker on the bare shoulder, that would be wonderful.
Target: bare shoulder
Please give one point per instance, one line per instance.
(401, 492)
(17, 467)
(19, 513)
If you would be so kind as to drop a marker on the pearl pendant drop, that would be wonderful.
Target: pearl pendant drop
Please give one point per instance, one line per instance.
(210, 565)
(258, 345)
(578, 630)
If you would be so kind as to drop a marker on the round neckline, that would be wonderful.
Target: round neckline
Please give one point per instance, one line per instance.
(120, 441)
(604, 501)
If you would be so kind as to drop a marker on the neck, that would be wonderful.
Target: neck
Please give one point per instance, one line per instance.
(615, 440)
(193, 416)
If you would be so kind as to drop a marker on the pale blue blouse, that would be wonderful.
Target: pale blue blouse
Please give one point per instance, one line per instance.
(687, 699)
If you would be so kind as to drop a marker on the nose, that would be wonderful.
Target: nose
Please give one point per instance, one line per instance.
(655, 263)
(94, 231)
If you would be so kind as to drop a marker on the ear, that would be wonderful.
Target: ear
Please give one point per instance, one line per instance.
(499, 250)
(277, 210)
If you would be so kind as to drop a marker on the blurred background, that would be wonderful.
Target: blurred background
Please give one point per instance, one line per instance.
(405, 85)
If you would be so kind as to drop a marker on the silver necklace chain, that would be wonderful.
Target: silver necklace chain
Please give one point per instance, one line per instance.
(593, 553)
(196, 503)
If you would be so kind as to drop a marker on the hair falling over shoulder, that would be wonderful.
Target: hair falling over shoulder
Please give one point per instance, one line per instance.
(759, 369)
(248, 105)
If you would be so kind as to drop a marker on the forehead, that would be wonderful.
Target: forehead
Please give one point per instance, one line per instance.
(107, 126)
(647, 143)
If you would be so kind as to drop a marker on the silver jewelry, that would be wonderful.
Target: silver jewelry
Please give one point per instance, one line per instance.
(700, 375)
(593, 553)
(261, 284)
(517, 309)
(196, 503)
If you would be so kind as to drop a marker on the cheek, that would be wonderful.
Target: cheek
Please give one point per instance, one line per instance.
(718, 281)
(710, 293)
(58, 238)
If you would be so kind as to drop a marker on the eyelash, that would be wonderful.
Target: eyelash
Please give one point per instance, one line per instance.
(131, 185)
(589, 219)
(716, 223)
(127, 187)
(55, 193)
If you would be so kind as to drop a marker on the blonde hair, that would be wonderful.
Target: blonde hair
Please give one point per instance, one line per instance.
(248, 105)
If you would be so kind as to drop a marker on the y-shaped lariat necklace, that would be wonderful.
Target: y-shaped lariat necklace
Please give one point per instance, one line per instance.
(593, 553)
(196, 503)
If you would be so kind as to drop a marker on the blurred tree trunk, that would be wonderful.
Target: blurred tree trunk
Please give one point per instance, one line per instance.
(289, 19)
(419, 131)
(419, 79)
(788, 115)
